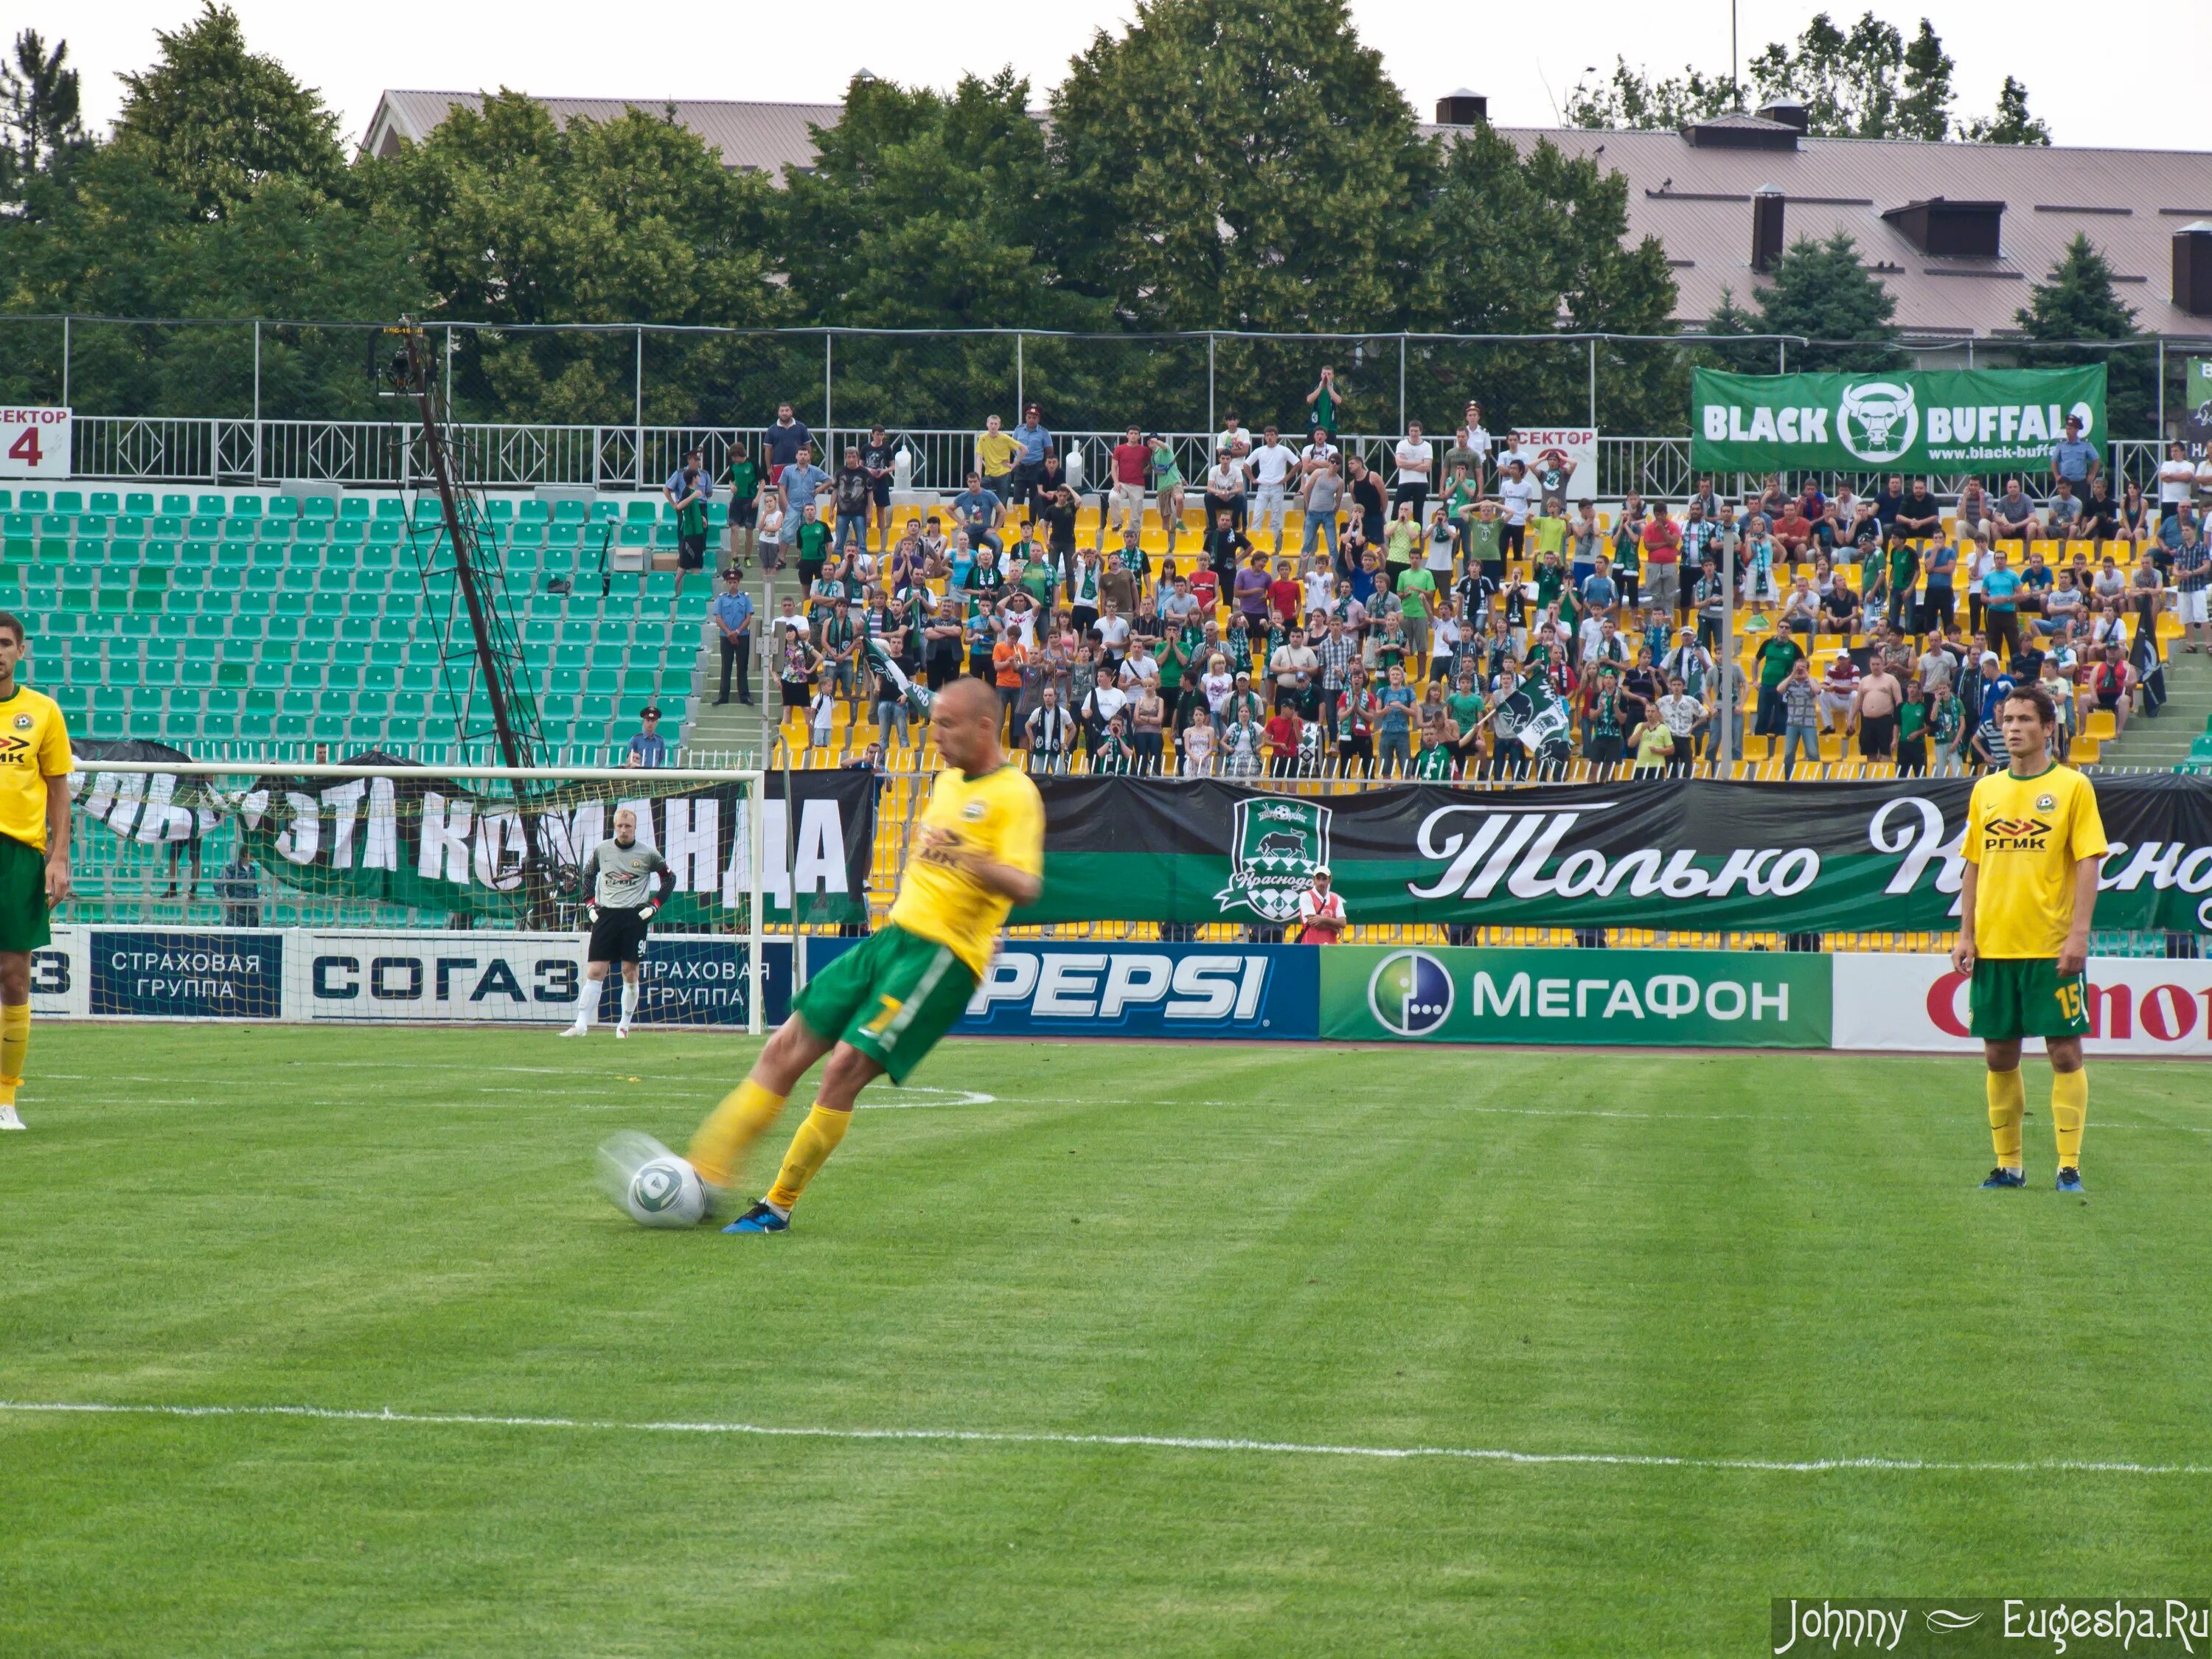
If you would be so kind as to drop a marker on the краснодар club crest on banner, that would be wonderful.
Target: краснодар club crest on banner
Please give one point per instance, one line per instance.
(1277, 844)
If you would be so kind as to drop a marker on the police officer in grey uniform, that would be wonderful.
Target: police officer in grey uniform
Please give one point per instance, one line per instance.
(627, 881)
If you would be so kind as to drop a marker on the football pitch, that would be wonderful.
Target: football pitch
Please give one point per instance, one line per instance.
(1109, 1349)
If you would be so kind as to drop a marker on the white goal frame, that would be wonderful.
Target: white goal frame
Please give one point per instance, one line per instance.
(753, 778)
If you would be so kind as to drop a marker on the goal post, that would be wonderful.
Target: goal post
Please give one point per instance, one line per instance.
(381, 890)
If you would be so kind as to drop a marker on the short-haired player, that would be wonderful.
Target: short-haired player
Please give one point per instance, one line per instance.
(880, 1007)
(627, 879)
(2034, 846)
(34, 848)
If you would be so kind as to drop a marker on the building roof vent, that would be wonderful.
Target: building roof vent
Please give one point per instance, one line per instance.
(1952, 230)
(1788, 111)
(2192, 269)
(1741, 131)
(1462, 109)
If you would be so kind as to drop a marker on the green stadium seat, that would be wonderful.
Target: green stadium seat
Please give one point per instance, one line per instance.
(380, 676)
(245, 627)
(594, 710)
(353, 507)
(292, 728)
(334, 703)
(373, 705)
(391, 506)
(246, 507)
(282, 633)
(33, 501)
(254, 728)
(320, 506)
(259, 701)
(69, 501)
(411, 704)
(404, 729)
(384, 533)
(348, 532)
(305, 676)
(283, 507)
(309, 539)
(569, 513)
(198, 553)
(333, 728)
(393, 630)
(196, 672)
(181, 506)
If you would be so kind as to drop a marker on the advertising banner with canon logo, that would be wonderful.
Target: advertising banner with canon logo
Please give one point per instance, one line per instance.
(1944, 420)
(1680, 999)
(1037, 989)
(2137, 1006)
(1692, 854)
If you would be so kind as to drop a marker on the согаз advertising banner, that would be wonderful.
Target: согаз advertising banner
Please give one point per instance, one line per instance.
(1689, 855)
(1947, 420)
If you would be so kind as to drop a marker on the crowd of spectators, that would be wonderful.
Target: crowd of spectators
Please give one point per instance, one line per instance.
(1381, 634)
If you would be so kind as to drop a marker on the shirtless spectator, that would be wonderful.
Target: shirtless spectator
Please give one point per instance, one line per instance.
(1875, 709)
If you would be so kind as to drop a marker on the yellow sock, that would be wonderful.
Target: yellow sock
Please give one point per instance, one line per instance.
(744, 1113)
(14, 1038)
(2069, 1111)
(809, 1149)
(2008, 1105)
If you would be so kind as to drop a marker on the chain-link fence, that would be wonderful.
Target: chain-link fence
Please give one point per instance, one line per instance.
(616, 404)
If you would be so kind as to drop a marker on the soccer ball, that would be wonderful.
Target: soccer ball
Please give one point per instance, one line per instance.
(666, 1193)
(653, 1186)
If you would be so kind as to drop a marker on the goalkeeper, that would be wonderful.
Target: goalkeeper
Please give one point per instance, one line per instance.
(626, 881)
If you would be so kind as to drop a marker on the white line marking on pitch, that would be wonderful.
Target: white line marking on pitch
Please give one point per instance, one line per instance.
(1149, 1442)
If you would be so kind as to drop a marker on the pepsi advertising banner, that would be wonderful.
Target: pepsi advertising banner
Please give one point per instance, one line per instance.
(1039, 988)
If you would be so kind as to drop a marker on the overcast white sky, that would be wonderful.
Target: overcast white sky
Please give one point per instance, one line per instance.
(2100, 75)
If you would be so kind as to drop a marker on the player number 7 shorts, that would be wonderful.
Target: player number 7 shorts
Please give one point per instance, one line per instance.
(891, 998)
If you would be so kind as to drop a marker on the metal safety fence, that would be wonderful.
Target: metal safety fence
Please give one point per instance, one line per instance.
(617, 405)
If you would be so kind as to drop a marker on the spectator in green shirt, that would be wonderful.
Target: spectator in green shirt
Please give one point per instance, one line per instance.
(1776, 657)
(744, 477)
(1417, 600)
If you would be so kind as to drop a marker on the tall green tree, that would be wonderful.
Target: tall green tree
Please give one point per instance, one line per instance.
(2012, 124)
(518, 220)
(41, 117)
(1230, 166)
(2078, 301)
(1630, 100)
(1527, 245)
(1866, 82)
(928, 210)
(212, 120)
(1823, 292)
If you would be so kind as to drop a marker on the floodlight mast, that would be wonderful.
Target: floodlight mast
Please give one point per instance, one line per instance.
(513, 712)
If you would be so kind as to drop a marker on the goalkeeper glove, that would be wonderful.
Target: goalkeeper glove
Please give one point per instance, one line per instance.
(645, 912)
(592, 913)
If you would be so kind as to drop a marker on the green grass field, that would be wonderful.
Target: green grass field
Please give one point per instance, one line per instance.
(1727, 1260)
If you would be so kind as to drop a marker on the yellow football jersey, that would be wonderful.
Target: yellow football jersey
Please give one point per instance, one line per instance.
(999, 814)
(2026, 834)
(34, 746)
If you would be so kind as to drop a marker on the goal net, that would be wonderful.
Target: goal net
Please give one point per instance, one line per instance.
(381, 890)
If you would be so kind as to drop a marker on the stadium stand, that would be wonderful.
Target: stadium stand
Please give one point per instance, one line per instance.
(228, 617)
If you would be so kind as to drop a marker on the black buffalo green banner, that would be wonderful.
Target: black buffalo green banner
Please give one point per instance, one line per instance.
(1686, 855)
(408, 836)
(1944, 420)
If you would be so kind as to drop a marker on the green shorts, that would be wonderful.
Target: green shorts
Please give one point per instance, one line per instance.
(2015, 997)
(892, 998)
(22, 897)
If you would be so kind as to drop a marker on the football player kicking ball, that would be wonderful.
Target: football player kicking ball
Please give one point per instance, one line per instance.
(34, 849)
(883, 1005)
(2033, 848)
(626, 882)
